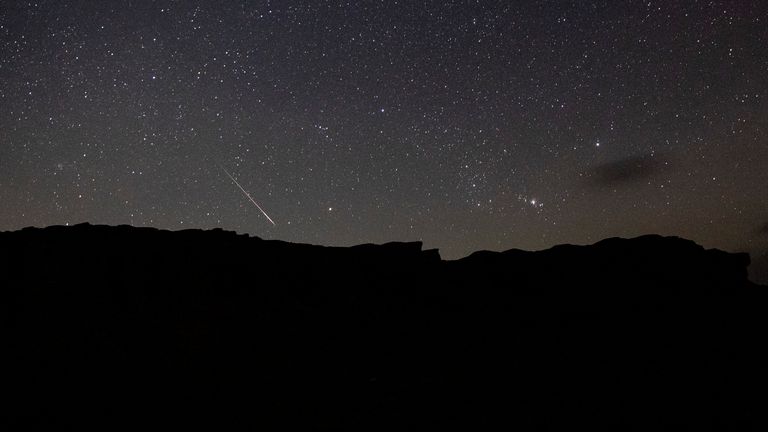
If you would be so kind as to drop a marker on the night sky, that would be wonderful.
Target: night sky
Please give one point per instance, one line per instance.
(465, 124)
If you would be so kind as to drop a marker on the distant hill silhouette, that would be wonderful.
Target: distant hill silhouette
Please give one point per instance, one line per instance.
(122, 327)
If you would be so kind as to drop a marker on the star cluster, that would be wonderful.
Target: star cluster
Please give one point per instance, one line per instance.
(465, 124)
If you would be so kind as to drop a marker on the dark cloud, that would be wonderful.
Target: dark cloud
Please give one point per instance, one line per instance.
(628, 170)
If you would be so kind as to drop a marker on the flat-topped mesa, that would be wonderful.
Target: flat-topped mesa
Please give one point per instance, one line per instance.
(216, 329)
(646, 264)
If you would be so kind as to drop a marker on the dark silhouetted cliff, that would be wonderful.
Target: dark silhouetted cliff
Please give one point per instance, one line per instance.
(118, 327)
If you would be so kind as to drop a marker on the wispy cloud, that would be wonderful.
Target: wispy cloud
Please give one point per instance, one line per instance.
(628, 170)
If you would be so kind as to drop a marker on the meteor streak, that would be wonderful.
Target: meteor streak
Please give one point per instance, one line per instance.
(249, 196)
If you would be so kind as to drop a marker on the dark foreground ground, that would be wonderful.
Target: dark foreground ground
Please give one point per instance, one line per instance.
(120, 327)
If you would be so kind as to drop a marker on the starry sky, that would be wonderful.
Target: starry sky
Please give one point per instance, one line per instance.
(464, 124)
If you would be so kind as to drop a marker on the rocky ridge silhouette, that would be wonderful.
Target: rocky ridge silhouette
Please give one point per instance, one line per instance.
(122, 326)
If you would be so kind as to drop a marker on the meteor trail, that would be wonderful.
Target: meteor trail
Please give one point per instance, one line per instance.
(249, 196)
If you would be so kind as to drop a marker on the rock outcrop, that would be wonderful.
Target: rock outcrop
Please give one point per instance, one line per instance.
(123, 327)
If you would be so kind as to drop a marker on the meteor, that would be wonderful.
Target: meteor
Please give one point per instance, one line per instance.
(249, 196)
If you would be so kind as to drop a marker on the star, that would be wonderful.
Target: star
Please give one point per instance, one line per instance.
(408, 119)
